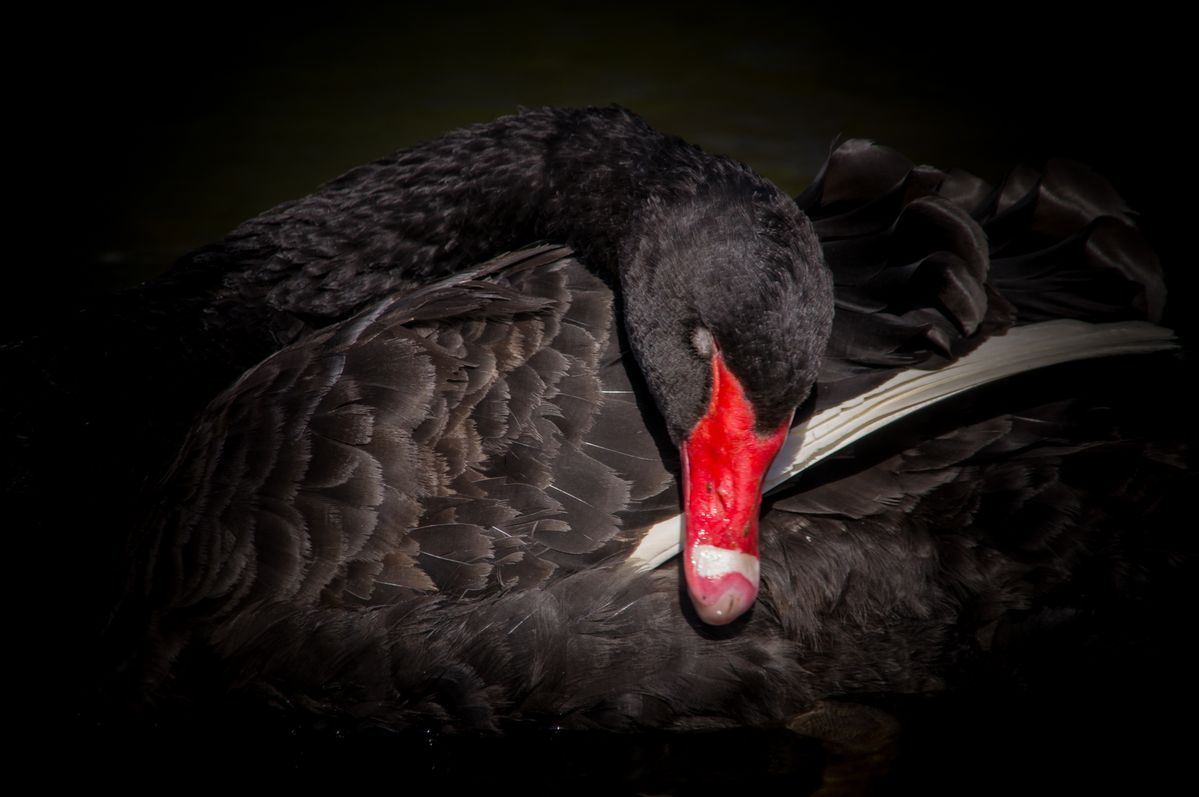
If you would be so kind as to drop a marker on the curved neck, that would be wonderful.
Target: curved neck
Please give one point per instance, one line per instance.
(568, 176)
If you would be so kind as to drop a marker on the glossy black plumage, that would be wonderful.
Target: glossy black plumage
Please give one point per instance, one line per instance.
(638, 205)
(929, 263)
(338, 544)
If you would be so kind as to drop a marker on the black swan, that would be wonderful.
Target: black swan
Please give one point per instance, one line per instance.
(421, 507)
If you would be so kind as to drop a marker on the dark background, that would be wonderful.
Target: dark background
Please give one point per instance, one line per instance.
(151, 136)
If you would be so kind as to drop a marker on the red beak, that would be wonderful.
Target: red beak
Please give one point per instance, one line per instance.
(724, 462)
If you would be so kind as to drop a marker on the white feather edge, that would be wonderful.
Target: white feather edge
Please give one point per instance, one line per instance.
(1023, 348)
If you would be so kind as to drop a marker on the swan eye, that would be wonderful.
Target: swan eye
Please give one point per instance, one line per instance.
(701, 341)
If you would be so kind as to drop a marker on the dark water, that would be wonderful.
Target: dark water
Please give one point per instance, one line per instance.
(158, 142)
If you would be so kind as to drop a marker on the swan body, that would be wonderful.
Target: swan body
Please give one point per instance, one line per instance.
(430, 497)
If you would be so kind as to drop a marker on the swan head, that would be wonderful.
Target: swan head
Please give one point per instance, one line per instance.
(728, 308)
